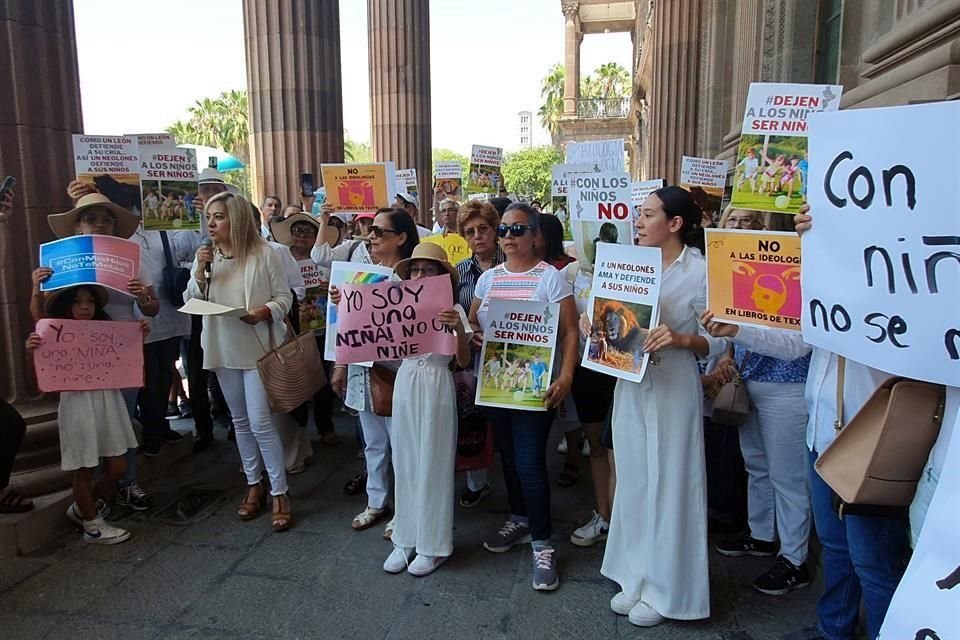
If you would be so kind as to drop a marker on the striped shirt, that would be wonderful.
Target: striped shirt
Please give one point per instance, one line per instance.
(542, 283)
(470, 271)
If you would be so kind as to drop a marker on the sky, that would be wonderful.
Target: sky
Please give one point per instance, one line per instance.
(144, 62)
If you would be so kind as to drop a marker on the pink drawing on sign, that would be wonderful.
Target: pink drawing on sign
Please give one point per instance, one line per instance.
(768, 288)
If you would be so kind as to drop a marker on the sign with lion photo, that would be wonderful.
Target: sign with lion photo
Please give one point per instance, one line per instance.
(623, 306)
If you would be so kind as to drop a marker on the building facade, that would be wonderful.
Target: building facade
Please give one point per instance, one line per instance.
(525, 130)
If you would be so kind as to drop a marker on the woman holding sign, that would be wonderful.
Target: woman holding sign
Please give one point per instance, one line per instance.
(522, 435)
(242, 272)
(657, 545)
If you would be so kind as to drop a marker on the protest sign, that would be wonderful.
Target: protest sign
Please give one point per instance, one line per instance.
(924, 606)
(394, 320)
(93, 259)
(456, 247)
(881, 266)
(484, 174)
(313, 307)
(198, 307)
(705, 179)
(516, 362)
(112, 165)
(168, 183)
(85, 355)
(622, 308)
(771, 171)
(600, 211)
(342, 273)
(407, 181)
(559, 190)
(753, 278)
(640, 191)
(602, 155)
(448, 179)
(359, 187)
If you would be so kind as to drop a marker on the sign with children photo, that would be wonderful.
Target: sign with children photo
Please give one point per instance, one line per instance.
(516, 362)
(168, 183)
(484, 174)
(771, 171)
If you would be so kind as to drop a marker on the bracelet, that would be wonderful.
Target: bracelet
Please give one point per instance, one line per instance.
(339, 366)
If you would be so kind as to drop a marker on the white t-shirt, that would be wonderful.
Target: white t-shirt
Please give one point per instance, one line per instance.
(542, 283)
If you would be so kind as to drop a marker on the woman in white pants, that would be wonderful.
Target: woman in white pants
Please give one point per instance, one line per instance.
(241, 271)
(657, 545)
(393, 236)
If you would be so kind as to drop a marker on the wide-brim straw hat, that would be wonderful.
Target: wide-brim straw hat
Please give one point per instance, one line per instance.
(211, 176)
(64, 225)
(427, 251)
(99, 292)
(281, 229)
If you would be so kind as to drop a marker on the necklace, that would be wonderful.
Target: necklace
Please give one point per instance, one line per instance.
(223, 255)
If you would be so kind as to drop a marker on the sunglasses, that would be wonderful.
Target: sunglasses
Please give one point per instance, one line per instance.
(516, 230)
(379, 231)
(303, 231)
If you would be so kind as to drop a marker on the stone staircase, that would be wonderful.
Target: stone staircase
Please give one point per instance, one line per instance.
(37, 474)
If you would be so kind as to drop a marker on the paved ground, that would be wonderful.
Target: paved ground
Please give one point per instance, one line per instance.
(208, 575)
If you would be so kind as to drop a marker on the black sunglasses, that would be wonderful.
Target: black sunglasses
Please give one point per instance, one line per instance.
(516, 230)
(379, 231)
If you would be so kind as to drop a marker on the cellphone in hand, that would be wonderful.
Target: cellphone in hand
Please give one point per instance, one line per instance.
(306, 184)
(212, 162)
(8, 184)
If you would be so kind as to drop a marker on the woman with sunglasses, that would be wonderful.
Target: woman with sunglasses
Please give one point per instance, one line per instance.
(522, 435)
(657, 545)
(393, 236)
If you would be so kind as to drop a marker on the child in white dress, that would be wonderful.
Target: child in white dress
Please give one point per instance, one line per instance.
(424, 435)
(94, 426)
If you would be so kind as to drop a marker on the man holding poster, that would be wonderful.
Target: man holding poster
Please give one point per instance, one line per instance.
(600, 211)
(522, 434)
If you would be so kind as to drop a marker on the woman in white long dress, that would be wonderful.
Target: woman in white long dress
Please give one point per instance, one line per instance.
(657, 545)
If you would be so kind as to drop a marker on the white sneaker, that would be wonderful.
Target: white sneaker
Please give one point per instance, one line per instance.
(97, 531)
(621, 604)
(398, 560)
(425, 565)
(562, 447)
(74, 515)
(585, 449)
(591, 533)
(643, 615)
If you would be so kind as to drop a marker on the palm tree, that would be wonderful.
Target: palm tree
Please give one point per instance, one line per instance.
(613, 81)
(551, 90)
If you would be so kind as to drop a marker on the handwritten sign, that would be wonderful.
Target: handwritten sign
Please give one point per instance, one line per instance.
(924, 607)
(772, 170)
(168, 183)
(881, 266)
(703, 172)
(516, 362)
(601, 155)
(753, 278)
(92, 259)
(112, 165)
(600, 211)
(484, 174)
(623, 306)
(394, 320)
(343, 273)
(456, 247)
(313, 307)
(359, 187)
(84, 355)
(640, 191)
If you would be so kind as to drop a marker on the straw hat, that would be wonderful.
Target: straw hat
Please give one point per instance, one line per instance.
(211, 176)
(99, 292)
(281, 229)
(64, 225)
(427, 251)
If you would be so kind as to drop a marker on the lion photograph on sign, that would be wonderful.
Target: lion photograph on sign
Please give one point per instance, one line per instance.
(617, 334)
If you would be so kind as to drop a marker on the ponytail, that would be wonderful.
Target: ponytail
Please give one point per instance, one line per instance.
(677, 201)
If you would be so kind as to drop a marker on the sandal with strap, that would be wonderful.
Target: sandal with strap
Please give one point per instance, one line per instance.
(367, 518)
(250, 509)
(329, 439)
(355, 485)
(15, 502)
(570, 475)
(281, 520)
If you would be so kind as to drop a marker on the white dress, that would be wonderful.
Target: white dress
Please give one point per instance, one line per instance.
(424, 439)
(657, 545)
(93, 425)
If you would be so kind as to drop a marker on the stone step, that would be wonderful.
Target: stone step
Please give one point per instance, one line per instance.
(37, 457)
(39, 435)
(37, 481)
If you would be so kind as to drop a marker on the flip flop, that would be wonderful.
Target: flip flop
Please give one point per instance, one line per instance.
(15, 502)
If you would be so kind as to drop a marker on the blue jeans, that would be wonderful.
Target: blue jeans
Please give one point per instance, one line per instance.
(130, 399)
(862, 557)
(521, 437)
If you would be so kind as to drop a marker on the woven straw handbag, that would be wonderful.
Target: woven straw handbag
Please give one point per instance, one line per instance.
(292, 373)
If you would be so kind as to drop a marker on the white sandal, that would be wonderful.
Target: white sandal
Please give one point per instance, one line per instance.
(388, 530)
(367, 518)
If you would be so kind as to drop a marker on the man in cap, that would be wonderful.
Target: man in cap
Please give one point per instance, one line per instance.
(409, 203)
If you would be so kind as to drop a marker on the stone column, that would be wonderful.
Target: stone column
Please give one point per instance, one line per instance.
(399, 46)
(294, 85)
(571, 58)
(746, 63)
(39, 110)
(674, 90)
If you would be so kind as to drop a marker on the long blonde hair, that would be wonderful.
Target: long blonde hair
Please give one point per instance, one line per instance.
(244, 235)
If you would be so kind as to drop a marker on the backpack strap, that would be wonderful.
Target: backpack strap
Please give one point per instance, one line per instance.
(841, 371)
(167, 254)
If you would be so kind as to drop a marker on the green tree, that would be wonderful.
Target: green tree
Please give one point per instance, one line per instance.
(612, 81)
(609, 81)
(354, 151)
(527, 173)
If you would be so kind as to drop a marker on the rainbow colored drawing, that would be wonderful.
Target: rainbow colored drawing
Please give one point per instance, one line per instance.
(348, 273)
